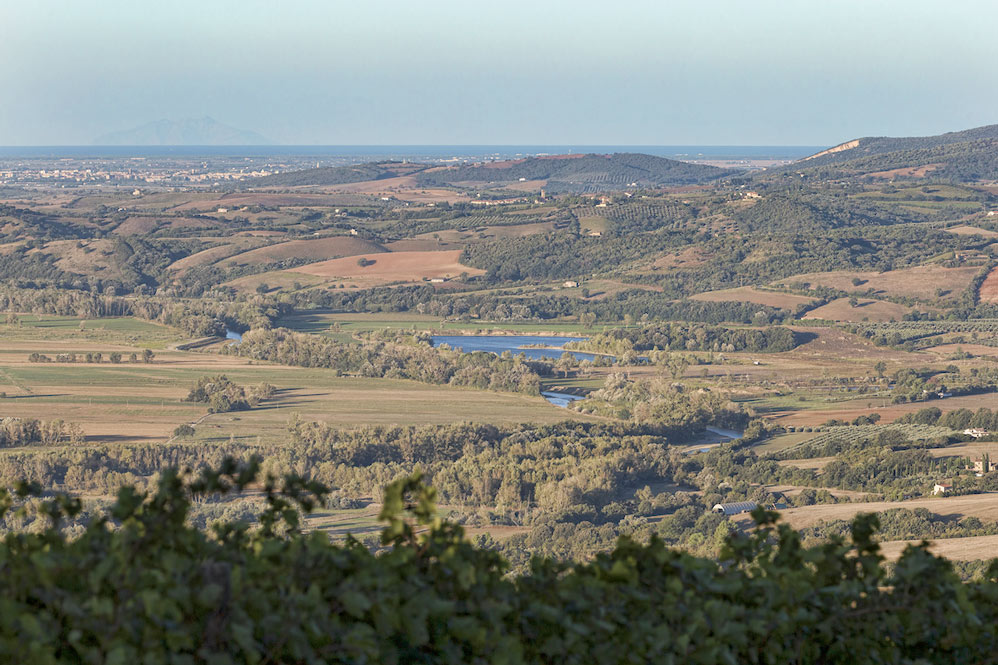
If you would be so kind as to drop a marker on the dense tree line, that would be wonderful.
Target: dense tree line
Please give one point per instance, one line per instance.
(407, 356)
(196, 317)
(97, 357)
(633, 303)
(16, 432)
(957, 419)
(689, 337)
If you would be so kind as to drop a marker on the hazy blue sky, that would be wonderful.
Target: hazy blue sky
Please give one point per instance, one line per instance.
(723, 72)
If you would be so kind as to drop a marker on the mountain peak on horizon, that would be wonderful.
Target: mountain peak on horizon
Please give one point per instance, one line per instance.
(186, 131)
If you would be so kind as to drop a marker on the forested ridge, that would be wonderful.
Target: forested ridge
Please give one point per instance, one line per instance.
(957, 162)
(875, 145)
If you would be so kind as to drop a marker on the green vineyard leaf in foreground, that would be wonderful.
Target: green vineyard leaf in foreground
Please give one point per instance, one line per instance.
(142, 586)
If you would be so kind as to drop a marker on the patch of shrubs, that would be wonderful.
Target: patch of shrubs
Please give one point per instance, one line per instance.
(222, 395)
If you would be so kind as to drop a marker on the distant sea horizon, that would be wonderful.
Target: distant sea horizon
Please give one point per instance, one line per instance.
(413, 152)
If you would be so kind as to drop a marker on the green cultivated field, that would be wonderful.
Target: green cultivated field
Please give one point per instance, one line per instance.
(133, 402)
(125, 330)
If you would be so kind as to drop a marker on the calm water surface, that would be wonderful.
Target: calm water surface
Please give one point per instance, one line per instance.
(514, 344)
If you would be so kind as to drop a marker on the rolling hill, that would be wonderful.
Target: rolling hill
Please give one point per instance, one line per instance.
(336, 175)
(581, 173)
(963, 156)
(877, 145)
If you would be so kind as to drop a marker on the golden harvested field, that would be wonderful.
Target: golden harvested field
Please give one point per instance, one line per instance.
(459, 237)
(752, 295)
(974, 349)
(794, 490)
(275, 279)
(404, 188)
(604, 288)
(139, 226)
(385, 185)
(318, 248)
(989, 289)
(213, 254)
(84, 257)
(143, 402)
(816, 463)
(830, 347)
(918, 282)
(974, 548)
(420, 245)
(238, 200)
(967, 230)
(527, 185)
(865, 310)
(687, 258)
(969, 449)
(982, 506)
(509, 231)
(888, 412)
(390, 267)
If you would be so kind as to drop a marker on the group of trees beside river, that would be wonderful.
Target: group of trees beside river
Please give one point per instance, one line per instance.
(689, 337)
(659, 402)
(400, 355)
(540, 304)
(195, 317)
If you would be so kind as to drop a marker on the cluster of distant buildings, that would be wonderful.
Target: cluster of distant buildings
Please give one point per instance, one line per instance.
(83, 176)
(981, 464)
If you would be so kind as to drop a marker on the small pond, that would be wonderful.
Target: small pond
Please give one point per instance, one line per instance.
(514, 344)
(560, 399)
(728, 433)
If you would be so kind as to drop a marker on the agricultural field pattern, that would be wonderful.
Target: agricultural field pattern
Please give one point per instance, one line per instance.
(660, 337)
